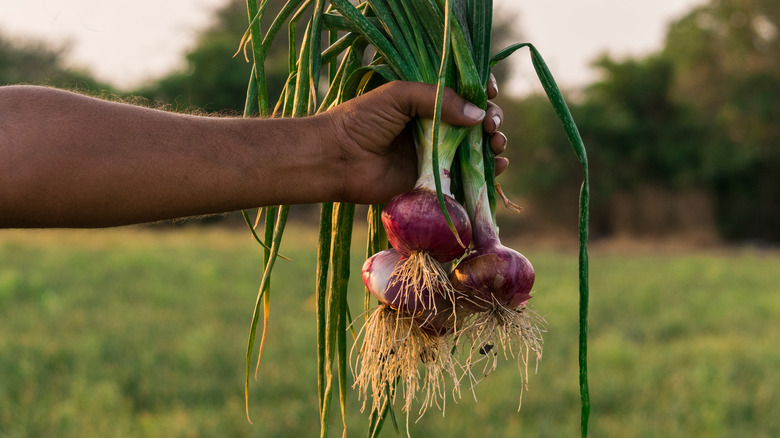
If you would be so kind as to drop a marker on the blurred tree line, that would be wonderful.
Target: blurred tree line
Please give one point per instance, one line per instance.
(681, 140)
(33, 62)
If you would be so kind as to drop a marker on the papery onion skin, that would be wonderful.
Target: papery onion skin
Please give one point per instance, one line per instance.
(414, 222)
(377, 272)
(433, 313)
(492, 276)
(379, 278)
(439, 322)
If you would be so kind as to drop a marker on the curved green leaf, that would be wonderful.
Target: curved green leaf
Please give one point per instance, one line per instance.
(573, 135)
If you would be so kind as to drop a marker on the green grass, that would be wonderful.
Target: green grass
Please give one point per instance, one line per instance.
(136, 332)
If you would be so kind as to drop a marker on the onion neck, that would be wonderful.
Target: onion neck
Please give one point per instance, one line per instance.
(476, 192)
(484, 229)
(449, 139)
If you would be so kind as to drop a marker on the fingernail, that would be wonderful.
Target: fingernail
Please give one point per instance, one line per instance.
(473, 112)
(495, 84)
(501, 142)
(497, 121)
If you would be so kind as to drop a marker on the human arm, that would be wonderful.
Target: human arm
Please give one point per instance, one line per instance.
(68, 160)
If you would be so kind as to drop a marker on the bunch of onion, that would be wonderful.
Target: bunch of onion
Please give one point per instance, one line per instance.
(411, 40)
(400, 54)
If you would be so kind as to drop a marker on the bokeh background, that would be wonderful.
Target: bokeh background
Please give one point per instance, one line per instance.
(140, 331)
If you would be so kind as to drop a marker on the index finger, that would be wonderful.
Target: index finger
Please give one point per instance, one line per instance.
(419, 100)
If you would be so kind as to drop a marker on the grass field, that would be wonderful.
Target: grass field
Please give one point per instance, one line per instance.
(141, 332)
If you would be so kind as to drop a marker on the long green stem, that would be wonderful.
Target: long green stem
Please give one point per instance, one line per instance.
(573, 135)
(378, 40)
(554, 94)
(321, 294)
(397, 35)
(443, 69)
(277, 237)
(293, 105)
(258, 52)
(345, 220)
(272, 229)
(584, 294)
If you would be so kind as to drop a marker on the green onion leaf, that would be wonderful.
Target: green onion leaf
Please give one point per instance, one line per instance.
(573, 134)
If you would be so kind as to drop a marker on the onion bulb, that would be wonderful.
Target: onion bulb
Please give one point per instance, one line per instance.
(433, 312)
(414, 223)
(493, 275)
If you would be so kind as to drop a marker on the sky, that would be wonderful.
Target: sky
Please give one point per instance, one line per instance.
(127, 43)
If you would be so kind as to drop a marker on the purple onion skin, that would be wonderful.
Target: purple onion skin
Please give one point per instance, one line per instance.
(414, 222)
(493, 275)
(377, 275)
(438, 323)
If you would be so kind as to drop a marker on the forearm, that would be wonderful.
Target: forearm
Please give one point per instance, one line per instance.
(95, 163)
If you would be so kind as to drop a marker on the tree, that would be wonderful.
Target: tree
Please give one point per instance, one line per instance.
(643, 135)
(726, 56)
(34, 63)
(699, 116)
(637, 135)
(214, 80)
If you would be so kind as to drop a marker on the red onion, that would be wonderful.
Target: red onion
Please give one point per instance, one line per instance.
(492, 274)
(414, 222)
(433, 312)
(378, 273)
(495, 282)
(439, 322)
(405, 339)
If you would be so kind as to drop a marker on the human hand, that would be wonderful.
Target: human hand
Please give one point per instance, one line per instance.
(374, 139)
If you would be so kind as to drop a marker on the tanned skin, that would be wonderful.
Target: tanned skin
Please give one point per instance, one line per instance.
(67, 160)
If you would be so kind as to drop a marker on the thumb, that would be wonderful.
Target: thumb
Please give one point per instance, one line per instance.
(419, 100)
